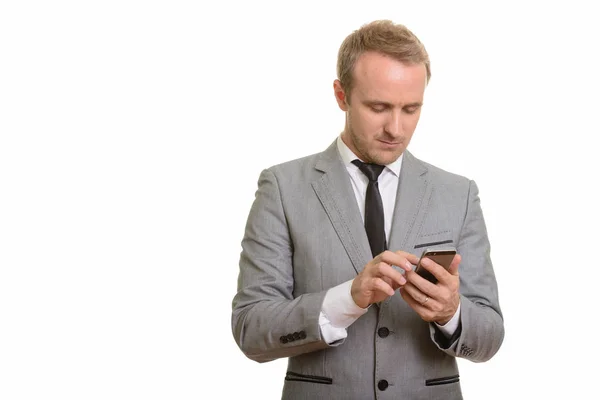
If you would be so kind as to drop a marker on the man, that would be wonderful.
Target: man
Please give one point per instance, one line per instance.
(327, 267)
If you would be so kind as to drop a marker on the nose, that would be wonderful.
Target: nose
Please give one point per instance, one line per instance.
(393, 125)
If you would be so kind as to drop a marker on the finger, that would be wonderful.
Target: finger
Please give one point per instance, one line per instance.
(408, 298)
(422, 284)
(415, 304)
(394, 285)
(389, 281)
(404, 260)
(386, 270)
(436, 270)
(415, 293)
(413, 259)
(379, 284)
(442, 274)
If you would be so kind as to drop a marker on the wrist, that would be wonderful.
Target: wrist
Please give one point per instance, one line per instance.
(356, 298)
(358, 302)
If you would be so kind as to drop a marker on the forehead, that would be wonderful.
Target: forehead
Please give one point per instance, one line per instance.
(380, 77)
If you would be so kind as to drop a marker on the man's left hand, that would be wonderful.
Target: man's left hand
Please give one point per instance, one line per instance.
(434, 302)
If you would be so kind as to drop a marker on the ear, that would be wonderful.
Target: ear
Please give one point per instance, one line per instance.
(340, 95)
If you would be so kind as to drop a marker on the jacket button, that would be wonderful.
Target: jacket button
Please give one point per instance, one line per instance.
(302, 335)
(283, 339)
(383, 332)
(290, 338)
(296, 336)
(382, 384)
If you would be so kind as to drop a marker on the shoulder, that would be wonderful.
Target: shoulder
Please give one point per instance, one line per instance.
(295, 165)
(441, 177)
(307, 168)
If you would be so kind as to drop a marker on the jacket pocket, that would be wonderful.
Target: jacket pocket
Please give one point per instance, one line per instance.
(435, 238)
(292, 376)
(431, 244)
(442, 381)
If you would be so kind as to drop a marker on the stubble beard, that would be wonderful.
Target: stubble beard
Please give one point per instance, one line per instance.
(369, 155)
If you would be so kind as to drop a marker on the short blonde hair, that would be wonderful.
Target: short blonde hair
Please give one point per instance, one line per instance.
(382, 36)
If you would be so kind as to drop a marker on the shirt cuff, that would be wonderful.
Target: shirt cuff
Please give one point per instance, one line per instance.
(450, 327)
(329, 333)
(339, 307)
(338, 312)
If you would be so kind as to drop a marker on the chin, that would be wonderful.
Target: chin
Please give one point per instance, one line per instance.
(385, 158)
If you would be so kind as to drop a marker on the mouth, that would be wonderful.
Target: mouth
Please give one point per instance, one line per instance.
(388, 143)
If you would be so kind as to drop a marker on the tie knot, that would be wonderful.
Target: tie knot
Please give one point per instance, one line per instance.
(372, 171)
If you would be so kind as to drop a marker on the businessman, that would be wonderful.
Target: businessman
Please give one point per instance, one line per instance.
(327, 269)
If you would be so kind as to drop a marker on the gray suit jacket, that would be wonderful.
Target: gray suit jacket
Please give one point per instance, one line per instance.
(305, 235)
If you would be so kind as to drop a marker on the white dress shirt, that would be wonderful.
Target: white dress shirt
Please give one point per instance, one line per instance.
(339, 310)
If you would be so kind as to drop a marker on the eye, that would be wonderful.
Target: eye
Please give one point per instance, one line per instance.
(378, 108)
(411, 110)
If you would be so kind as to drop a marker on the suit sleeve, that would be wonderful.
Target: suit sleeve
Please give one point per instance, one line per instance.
(267, 321)
(481, 328)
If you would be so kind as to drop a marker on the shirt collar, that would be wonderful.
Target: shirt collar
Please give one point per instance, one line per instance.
(348, 156)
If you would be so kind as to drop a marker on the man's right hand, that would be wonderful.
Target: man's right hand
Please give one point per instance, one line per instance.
(378, 280)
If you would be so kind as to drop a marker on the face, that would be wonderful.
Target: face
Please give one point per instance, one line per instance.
(383, 108)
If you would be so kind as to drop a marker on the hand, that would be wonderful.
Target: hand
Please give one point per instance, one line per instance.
(378, 280)
(434, 302)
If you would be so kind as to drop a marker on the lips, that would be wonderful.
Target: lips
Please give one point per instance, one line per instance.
(389, 144)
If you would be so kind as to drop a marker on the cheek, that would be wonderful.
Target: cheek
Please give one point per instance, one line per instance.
(370, 124)
(410, 124)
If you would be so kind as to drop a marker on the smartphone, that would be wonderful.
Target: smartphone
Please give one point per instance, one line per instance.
(442, 257)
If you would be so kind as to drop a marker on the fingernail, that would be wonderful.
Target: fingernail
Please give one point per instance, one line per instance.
(408, 264)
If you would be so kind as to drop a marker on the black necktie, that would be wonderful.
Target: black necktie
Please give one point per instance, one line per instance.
(374, 222)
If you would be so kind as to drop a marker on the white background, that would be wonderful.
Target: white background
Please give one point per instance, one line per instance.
(133, 134)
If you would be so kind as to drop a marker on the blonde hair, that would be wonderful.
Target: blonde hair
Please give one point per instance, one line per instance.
(382, 36)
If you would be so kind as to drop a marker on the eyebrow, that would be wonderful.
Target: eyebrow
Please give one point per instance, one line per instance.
(384, 103)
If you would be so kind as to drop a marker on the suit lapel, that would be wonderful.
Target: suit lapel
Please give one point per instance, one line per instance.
(412, 197)
(335, 193)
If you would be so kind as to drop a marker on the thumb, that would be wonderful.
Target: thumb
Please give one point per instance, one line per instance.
(453, 269)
